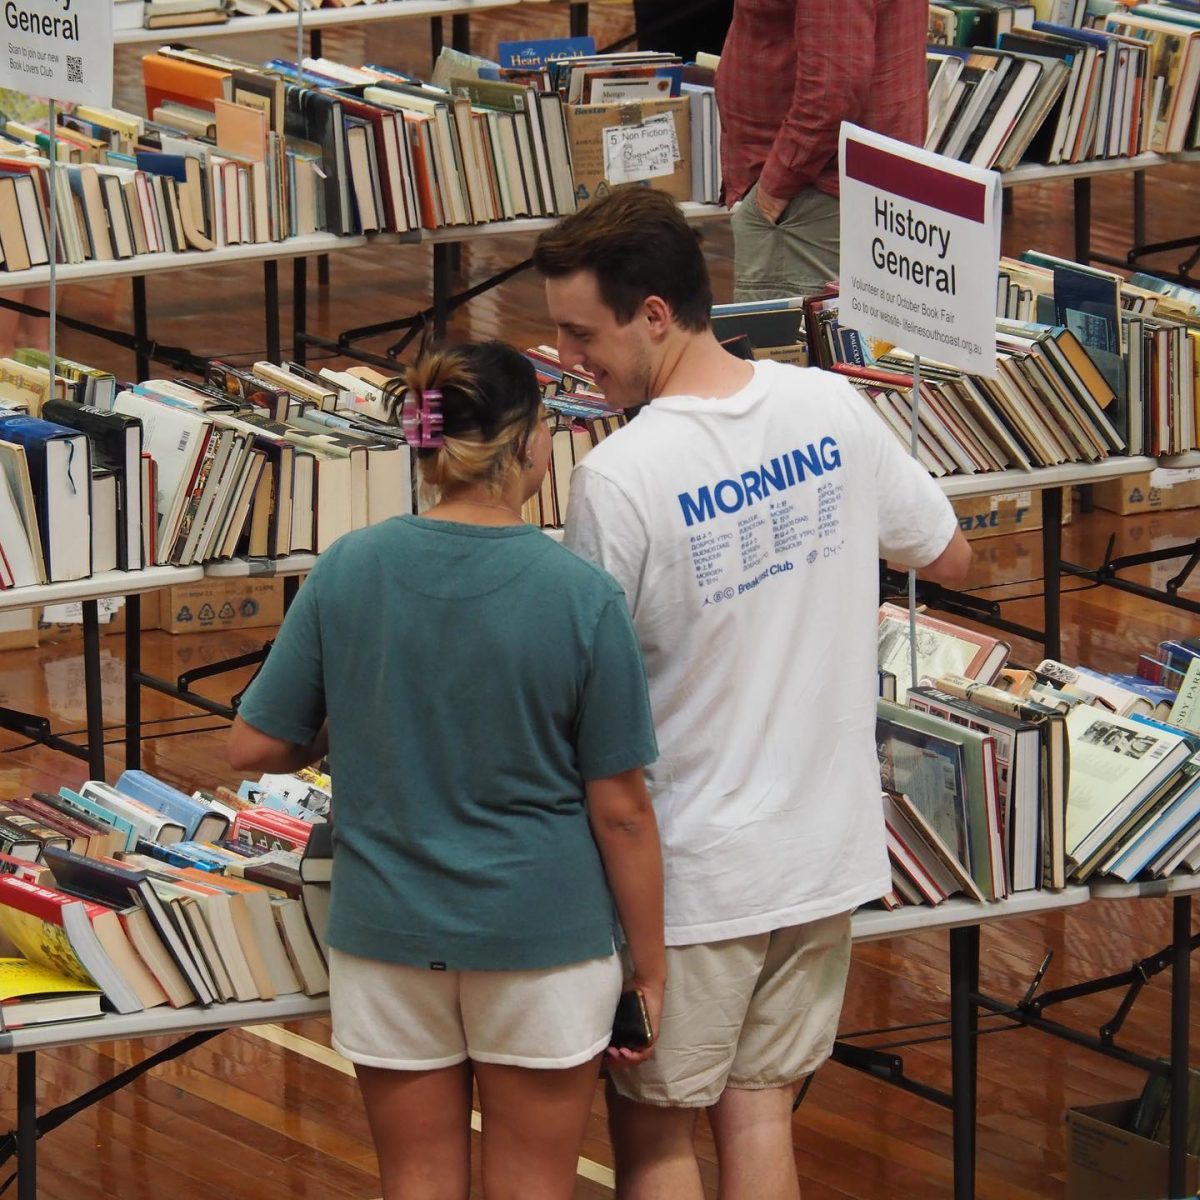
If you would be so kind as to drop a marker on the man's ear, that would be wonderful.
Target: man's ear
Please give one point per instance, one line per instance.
(658, 315)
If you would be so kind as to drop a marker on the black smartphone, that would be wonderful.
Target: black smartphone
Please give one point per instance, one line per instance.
(631, 1025)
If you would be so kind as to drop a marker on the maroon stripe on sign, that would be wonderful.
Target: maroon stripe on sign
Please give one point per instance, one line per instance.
(915, 181)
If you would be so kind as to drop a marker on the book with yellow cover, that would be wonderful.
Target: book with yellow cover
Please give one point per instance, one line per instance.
(31, 994)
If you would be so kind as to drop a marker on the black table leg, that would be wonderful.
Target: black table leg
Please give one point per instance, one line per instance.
(460, 32)
(442, 266)
(299, 308)
(27, 1125)
(1181, 958)
(1052, 570)
(964, 1023)
(1139, 209)
(271, 296)
(92, 687)
(133, 687)
(140, 326)
(1083, 220)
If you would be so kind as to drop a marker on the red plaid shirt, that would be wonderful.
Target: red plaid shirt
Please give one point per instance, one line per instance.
(793, 70)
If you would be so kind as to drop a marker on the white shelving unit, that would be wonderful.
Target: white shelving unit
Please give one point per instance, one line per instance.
(321, 18)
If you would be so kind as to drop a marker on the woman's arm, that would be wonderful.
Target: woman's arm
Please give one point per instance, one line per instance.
(250, 749)
(626, 833)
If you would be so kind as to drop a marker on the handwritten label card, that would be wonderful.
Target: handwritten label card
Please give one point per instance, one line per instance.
(633, 152)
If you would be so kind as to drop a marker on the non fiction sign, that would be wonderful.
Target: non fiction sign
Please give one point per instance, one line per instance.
(58, 49)
(920, 250)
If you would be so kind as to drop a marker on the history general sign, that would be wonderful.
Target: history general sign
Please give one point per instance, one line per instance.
(920, 250)
(58, 49)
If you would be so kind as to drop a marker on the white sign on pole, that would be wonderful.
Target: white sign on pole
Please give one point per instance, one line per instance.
(60, 49)
(920, 250)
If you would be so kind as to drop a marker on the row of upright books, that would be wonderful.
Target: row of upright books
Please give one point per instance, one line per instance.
(1088, 365)
(264, 461)
(233, 153)
(136, 895)
(999, 780)
(1014, 82)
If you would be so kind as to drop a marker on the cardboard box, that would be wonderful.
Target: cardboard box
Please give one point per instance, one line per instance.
(62, 622)
(1107, 1162)
(18, 629)
(592, 149)
(1004, 512)
(1161, 490)
(241, 603)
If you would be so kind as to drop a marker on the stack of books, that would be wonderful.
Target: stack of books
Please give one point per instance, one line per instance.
(170, 14)
(1006, 87)
(1088, 365)
(999, 780)
(263, 461)
(145, 896)
(581, 420)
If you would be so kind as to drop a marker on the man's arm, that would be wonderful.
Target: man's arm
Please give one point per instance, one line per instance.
(951, 566)
(835, 46)
(250, 749)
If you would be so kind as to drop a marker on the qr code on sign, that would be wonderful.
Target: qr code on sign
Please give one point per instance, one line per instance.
(74, 69)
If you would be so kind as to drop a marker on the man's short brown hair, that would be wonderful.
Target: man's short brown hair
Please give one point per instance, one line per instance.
(636, 243)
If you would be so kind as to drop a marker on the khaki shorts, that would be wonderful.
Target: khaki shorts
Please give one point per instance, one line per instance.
(795, 257)
(414, 1019)
(751, 1012)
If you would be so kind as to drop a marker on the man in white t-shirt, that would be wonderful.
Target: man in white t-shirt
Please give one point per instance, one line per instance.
(744, 512)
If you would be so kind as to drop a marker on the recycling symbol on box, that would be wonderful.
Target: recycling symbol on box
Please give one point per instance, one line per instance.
(249, 607)
(226, 611)
(206, 612)
(185, 614)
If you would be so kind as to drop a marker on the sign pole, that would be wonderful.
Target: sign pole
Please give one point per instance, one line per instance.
(53, 307)
(912, 575)
(300, 41)
(917, 230)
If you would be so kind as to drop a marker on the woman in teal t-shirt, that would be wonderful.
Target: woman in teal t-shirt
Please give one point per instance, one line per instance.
(481, 696)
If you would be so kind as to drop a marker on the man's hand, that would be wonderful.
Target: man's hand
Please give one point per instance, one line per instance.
(770, 206)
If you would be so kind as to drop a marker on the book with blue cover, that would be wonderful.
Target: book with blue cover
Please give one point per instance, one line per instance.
(97, 812)
(198, 821)
(60, 473)
(535, 53)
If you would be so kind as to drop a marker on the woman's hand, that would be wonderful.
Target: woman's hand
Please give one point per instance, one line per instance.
(621, 1057)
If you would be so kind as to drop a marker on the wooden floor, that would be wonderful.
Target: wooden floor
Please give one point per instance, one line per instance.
(274, 1114)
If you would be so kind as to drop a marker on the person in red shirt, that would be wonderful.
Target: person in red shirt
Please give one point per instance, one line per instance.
(791, 72)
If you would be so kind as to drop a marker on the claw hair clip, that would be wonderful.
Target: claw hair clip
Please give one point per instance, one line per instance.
(421, 418)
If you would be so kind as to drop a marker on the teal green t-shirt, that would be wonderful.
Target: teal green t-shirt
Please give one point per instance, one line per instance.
(474, 678)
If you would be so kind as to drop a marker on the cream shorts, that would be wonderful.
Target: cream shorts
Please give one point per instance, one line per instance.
(414, 1019)
(750, 1012)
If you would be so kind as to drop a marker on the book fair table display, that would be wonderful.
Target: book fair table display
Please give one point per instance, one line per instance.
(962, 918)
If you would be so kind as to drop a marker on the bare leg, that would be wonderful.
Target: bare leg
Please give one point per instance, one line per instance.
(653, 1149)
(753, 1133)
(533, 1127)
(421, 1125)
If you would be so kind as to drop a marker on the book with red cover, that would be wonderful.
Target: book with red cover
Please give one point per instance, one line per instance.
(54, 929)
(270, 829)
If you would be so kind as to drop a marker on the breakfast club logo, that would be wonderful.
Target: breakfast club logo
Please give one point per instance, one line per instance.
(783, 472)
